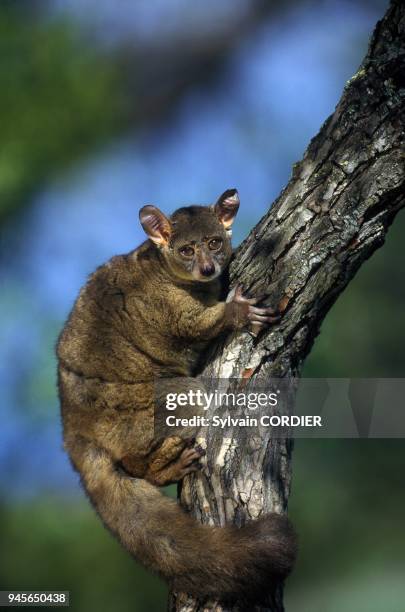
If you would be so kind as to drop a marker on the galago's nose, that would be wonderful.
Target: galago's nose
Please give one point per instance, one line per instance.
(207, 269)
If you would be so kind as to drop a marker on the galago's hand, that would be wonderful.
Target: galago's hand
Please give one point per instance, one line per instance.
(243, 312)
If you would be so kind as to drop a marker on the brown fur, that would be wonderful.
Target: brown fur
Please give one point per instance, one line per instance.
(142, 317)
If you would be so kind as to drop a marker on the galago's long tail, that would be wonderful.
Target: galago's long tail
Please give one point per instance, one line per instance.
(222, 563)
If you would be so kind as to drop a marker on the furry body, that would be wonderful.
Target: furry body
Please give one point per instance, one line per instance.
(148, 316)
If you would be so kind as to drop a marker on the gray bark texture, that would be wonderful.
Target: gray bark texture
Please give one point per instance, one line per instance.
(333, 214)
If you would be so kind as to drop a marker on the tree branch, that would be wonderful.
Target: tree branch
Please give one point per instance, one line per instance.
(333, 214)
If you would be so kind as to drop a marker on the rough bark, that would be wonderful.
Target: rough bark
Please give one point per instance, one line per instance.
(333, 214)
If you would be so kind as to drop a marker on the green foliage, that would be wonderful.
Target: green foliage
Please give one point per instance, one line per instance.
(347, 505)
(59, 98)
(57, 545)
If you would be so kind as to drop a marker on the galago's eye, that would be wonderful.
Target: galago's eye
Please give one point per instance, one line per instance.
(186, 251)
(215, 244)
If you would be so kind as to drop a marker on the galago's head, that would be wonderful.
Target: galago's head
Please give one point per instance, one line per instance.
(195, 241)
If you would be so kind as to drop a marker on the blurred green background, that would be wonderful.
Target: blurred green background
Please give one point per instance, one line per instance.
(105, 107)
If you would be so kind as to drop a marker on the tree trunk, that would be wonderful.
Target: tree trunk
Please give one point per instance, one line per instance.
(333, 214)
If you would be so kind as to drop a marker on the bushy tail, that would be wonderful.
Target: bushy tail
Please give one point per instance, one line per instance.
(207, 562)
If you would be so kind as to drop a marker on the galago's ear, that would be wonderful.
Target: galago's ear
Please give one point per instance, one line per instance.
(156, 225)
(226, 207)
